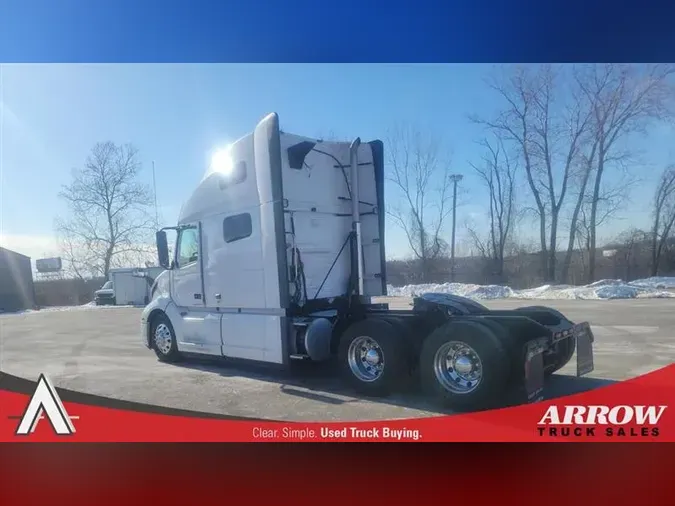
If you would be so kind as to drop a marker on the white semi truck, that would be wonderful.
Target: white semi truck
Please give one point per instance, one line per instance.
(279, 252)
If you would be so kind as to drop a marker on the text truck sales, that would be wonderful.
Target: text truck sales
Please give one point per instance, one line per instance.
(599, 420)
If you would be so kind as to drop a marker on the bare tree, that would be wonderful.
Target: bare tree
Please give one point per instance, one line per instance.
(479, 244)
(664, 216)
(586, 163)
(628, 251)
(611, 202)
(80, 260)
(521, 259)
(624, 99)
(548, 127)
(108, 211)
(498, 174)
(422, 176)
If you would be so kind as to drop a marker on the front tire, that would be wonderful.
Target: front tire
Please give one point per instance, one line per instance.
(372, 357)
(163, 339)
(465, 366)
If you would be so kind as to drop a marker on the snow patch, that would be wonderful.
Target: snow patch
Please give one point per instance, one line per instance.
(56, 309)
(657, 282)
(471, 291)
(605, 289)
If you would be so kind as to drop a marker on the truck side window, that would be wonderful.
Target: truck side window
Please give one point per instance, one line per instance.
(236, 227)
(188, 246)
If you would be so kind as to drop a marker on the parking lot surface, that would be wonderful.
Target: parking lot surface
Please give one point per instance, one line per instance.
(98, 351)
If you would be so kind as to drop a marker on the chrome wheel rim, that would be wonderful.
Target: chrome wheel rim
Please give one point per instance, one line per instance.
(458, 367)
(366, 359)
(163, 338)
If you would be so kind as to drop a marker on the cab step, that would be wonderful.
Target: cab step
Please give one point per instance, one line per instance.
(300, 357)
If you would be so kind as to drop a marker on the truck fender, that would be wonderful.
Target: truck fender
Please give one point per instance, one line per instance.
(159, 305)
(519, 328)
(456, 304)
(564, 322)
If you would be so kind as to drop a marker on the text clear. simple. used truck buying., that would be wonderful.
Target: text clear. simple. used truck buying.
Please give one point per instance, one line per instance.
(279, 252)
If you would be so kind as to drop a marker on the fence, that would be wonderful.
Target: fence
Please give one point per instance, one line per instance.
(66, 292)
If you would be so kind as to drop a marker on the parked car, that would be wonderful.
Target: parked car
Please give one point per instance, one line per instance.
(105, 295)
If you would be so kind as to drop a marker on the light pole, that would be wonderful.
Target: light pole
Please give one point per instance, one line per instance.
(455, 178)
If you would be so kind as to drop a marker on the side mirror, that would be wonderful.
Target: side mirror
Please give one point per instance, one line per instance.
(162, 249)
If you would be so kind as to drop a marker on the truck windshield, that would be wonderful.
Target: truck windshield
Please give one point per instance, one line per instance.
(107, 286)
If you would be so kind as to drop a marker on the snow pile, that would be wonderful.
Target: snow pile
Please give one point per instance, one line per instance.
(657, 282)
(470, 291)
(599, 290)
(55, 309)
(606, 282)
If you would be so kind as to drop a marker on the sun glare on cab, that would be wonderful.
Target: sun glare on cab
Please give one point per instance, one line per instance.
(221, 161)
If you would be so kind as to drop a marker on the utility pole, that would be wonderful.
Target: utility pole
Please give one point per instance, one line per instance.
(455, 178)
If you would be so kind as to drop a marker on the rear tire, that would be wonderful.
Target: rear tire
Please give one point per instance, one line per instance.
(163, 339)
(373, 357)
(465, 365)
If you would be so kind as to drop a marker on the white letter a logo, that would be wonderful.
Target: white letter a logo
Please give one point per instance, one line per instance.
(45, 399)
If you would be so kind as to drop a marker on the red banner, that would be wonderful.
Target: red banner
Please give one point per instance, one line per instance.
(634, 410)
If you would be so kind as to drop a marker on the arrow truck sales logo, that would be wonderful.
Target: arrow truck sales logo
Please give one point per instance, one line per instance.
(45, 401)
(599, 420)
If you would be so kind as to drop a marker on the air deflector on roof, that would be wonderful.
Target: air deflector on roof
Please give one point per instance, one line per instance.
(298, 152)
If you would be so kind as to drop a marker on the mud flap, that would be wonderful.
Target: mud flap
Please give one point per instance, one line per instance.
(584, 337)
(534, 372)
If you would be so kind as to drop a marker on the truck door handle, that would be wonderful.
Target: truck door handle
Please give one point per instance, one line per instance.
(217, 296)
(198, 296)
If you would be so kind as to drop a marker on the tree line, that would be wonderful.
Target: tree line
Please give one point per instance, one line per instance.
(559, 152)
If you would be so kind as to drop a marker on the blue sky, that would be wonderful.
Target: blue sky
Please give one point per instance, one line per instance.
(176, 114)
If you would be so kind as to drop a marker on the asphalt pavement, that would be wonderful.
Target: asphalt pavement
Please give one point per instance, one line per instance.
(98, 351)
